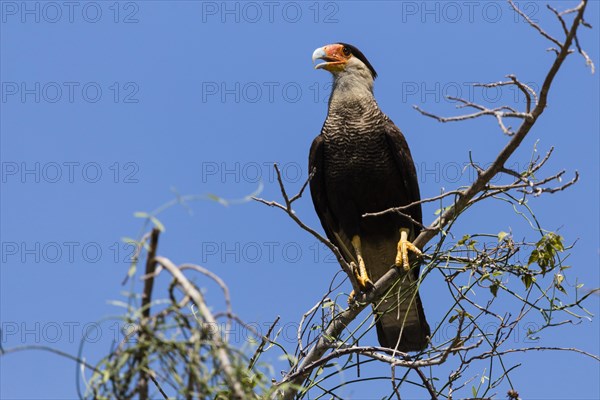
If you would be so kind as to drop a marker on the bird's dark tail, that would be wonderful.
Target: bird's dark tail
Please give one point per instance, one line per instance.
(401, 322)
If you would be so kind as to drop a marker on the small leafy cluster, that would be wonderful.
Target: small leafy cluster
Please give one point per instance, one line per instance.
(173, 348)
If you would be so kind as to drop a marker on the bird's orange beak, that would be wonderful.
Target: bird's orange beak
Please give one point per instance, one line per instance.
(333, 55)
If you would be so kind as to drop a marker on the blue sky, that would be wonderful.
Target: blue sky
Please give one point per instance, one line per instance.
(107, 107)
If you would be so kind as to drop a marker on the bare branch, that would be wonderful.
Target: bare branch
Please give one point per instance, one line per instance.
(414, 203)
(496, 112)
(301, 192)
(527, 91)
(534, 25)
(426, 383)
(588, 60)
(525, 349)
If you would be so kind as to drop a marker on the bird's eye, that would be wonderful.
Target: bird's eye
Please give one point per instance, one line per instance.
(346, 51)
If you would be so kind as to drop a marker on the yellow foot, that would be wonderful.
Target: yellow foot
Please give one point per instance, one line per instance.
(351, 298)
(362, 278)
(403, 247)
(360, 271)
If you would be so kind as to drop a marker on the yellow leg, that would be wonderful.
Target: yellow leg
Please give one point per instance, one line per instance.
(403, 247)
(360, 270)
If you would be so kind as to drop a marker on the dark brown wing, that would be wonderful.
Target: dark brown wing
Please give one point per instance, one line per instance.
(408, 172)
(321, 203)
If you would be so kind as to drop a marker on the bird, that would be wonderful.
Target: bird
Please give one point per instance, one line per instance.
(361, 163)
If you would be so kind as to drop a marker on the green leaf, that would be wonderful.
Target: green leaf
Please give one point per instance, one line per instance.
(528, 280)
(157, 223)
(556, 241)
(152, 218)
(132, 269)
(494, 289)
(559, 278)
(118, 303)
(129, 240)
(327, 304)
(218, 199)
(463, 240)
(458, 314)
(533, 257)
(545, 253)
(440, 210)
(501, 236)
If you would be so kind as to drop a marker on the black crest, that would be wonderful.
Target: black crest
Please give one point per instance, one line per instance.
(358, 54)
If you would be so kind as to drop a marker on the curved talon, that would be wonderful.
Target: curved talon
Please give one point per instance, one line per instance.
(360, 271)
(404, 246)
(352, 298)
(365, 284)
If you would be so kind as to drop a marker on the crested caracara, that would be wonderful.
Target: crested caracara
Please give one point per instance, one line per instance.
(362, 164)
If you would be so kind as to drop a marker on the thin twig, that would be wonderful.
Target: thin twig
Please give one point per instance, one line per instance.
(414, 203)
(263, 342)
(534, 25)
(299, 333)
